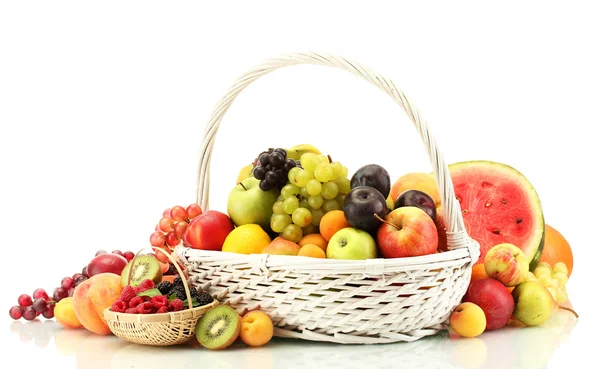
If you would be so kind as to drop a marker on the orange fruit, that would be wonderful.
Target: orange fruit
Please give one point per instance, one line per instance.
(478, 272)
(314, 239)
(331, 223)
(557, 248)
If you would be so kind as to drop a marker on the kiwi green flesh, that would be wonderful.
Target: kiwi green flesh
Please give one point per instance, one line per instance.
(218, 328)
(145, 267)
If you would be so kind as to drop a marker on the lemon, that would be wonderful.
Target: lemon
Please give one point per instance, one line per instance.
(246, 239)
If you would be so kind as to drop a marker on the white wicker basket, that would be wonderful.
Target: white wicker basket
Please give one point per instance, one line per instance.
(343, 301)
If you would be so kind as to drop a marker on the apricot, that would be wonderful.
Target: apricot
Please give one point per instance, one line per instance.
(312, 251)
(314, 239)
(257, 328)
(64, 313)
(468, 320)
(424, 182)
(92, 297)
(331, 223)
(281, 246)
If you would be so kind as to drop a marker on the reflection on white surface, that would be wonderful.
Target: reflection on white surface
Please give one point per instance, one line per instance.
(510, 347)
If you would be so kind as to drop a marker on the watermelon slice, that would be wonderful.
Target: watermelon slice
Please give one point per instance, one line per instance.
(499, 205)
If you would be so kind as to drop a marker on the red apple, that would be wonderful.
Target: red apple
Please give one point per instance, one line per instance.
(407, 231)
(106, 263)
(494, 299)
(208, 231)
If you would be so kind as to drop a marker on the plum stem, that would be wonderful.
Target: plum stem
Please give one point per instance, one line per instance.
(244, 187)
(385, 221)
(569, 309)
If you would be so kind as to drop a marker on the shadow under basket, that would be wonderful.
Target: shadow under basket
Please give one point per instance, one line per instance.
(343, 301)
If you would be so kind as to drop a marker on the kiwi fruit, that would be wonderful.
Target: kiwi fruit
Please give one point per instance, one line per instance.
(219, 327)
(144, 267)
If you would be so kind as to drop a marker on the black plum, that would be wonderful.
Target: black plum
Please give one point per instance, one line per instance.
(360, 206)
(372, 175)
(418, 199)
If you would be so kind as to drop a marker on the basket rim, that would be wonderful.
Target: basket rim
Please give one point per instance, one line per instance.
(170, 317)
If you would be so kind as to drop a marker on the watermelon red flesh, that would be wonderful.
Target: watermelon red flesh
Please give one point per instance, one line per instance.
(499, 205)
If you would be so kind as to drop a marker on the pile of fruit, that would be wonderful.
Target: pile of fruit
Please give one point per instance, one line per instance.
(300, 202)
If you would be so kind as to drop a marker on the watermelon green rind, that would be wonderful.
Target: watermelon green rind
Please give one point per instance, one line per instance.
(480, 186)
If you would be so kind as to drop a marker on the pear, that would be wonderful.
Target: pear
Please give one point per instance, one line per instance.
(533, 303)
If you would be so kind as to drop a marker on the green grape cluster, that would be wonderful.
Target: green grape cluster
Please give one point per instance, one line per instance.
(314, 189)
(554, 278)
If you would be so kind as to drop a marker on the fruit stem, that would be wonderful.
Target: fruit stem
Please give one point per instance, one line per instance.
(385, 221)
(569, 309)
(244, 187)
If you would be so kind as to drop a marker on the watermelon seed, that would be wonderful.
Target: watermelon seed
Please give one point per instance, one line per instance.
(504, 201)
(464, 211)
(488, 204)
(519, 220)
(496, 231)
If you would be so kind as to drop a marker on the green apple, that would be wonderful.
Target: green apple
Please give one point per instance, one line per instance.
(351, 244)
(248, 204)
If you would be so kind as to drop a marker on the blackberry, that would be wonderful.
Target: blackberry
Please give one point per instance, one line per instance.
(179, 292)
(177, 281)
(164, 287)
(204, 298)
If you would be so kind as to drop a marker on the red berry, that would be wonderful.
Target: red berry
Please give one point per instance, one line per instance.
(178, 213)
(162, 310)
(193, 211)
(39, 305)
(176, 305)
(147, 284)
(118, 252)
(67, 283)
(130, 311)
(157, 239)
(180, 229)
(49, 312)
(59, 294)
(165, 224)
(159, 301)
(100, 252)
(171, 239)
(29, 313)
(25, 300)
(16, 312)
(40, 293)
(136, 301)
(119, 306)
(127, 294)
(145, 308)
(128, 255)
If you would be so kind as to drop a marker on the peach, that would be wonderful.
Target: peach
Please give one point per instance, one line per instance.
(314, 239)
(506, 263)
(311, 251)
(416, 181)
(332, 222)
(281, 246)
(468, 320)
(257, 328)
(92, 297)
(407, 231)
(441, 229)
(494, 299)
(64, 313)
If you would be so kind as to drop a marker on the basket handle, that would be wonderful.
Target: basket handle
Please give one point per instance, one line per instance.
(455, 228)
(181, 274)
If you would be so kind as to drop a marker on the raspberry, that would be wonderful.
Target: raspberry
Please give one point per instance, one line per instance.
(146, 284)
(127, 294)
(162, 310)
(130, 311)
(136, 301)
(176, 305)
(119, 306)
(145, 308)
(159, 301)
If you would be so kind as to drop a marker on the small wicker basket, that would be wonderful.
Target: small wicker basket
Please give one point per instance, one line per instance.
(166, 329)
(343, 301)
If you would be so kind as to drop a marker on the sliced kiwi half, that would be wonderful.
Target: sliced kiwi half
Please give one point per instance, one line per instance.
(144, 267)
(218, 328)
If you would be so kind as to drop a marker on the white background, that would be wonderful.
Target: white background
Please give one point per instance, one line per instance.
(103, 106)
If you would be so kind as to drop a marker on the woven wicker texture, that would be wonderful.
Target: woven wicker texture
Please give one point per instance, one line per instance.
(344, 301)
(158, 329)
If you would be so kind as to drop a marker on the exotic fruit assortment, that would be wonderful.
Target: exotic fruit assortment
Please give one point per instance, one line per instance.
(303, 203)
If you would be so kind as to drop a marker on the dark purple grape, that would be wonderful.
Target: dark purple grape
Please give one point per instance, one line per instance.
(49, 312)
(263, 159)
(80, 279)
(283, 152)
(289, 164)
(265, 185)
(59, 294)
(271, 177)
(39, 305)
(259, 172)
(276, 159)
(29, 313)
(418, 199)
